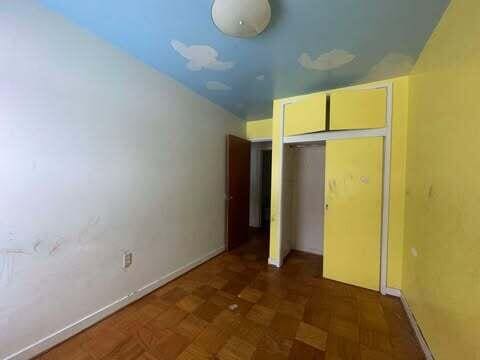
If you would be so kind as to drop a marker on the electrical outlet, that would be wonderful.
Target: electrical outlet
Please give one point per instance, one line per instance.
(127, 259)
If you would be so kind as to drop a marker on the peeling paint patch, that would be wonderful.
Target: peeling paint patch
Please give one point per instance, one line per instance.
(414, 252)
(364, 179)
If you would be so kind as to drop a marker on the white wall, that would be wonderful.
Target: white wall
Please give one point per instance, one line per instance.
(98, 154)
(305, 176)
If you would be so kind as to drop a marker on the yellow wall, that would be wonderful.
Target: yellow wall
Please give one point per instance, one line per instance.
(259, 129)
(442, 283)
(397, 196)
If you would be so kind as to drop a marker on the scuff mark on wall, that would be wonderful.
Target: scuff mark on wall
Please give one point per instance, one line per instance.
(36, 245)
(56, 247)
(430, 192)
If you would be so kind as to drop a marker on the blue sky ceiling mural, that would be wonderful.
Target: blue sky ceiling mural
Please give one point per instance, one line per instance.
(310, 45)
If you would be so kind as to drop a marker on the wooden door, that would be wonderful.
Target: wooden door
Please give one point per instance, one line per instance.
(238, 191)
(353, 211)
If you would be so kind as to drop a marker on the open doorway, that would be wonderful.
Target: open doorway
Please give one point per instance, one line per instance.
(260, 188)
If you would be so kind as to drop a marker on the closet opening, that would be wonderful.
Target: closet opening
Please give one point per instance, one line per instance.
(304, 198)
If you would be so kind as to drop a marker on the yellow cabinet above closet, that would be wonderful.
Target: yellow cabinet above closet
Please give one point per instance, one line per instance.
(358, 109)
(307, 115)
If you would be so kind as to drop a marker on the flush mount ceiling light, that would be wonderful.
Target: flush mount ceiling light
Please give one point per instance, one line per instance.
(241, 18)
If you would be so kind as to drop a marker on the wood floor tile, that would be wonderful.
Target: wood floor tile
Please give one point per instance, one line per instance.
(273, 346)
(250, 294)
(187, 284)
(406, 344)
(191, 327)
(190, 303)
(218, 282)
(302, 351)
(250, 331)
(234, 287)
(208, 311)
(369, 354)
(285, 325)
(312, 336)
(236, 349)
(373, 321)
(261, 315)
(231, 302)
(212, 339)
(70, 350)
(146, 356)
(129, 350)
(295, 310)
(194, 352)
(167, 320)
(340, 348)
(344, 328)
(270, 301)
(319, 317)
(170, 346)
(147, 338)
(227, 320)
(104, 344)
(236, 306)
(397, 324)
(346, 308)
(223, 299)
(375, 340)
(173, 295)
(205, 291)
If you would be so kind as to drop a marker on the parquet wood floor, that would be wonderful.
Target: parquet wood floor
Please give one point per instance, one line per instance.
(236, 307)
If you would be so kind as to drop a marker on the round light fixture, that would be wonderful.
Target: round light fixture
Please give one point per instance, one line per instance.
(241, 18)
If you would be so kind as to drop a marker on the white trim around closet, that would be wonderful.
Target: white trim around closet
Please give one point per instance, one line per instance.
(386, 133)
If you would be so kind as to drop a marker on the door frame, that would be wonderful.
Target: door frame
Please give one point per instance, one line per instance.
(385, 132)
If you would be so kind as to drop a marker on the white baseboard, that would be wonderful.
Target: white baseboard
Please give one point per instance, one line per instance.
(318, 252)
(274, 262)
(393, 292)
(416, 328)
(80, 325)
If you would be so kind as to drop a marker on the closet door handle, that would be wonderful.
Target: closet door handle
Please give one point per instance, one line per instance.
(326, 206)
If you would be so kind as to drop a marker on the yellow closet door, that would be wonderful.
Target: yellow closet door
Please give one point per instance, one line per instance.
(353, 211)
(358, 109)
(307, 115)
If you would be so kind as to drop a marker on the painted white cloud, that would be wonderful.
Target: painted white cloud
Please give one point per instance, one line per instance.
(201, 57)
(393, 64)
(260, 77)
(217, 86)
(328, 61)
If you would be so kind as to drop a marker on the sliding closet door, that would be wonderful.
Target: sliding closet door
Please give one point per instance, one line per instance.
(353, 211)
